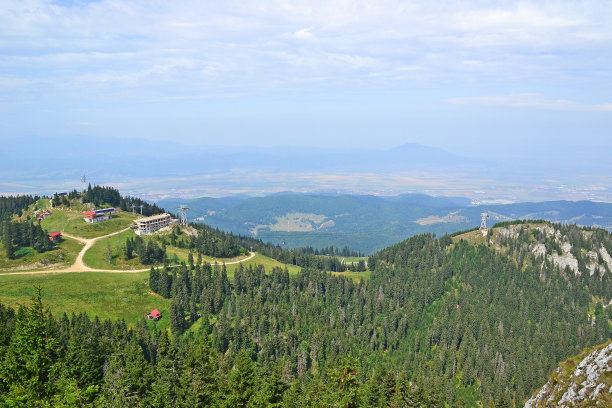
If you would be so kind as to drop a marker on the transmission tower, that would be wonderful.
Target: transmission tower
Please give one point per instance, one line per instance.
(183, 210)
(483, 221)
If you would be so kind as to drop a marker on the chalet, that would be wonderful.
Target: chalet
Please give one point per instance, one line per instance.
(153, 315)
(55, 237)
(44, 215)
(99, 215)
(147, 225)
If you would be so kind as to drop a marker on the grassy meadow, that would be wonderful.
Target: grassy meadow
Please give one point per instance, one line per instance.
(356, 276)
(71, 221)
(63, 255)
(97, 255)
(107, 295)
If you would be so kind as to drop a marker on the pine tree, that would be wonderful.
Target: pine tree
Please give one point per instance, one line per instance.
(27, 361)
(242, 381)
(177, 318)
(200, 379)
(154, 279)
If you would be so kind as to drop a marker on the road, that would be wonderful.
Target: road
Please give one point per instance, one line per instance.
(79, 265)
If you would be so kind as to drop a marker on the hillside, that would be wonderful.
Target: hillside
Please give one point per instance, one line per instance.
(581, 381)
(474, 318)
(501, 310)
(370, 223)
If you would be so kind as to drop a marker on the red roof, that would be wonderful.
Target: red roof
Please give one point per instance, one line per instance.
(155, 313)
(55, 234)
(89, 213)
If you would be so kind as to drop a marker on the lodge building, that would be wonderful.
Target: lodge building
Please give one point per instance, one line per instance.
(153, 223)
(99, 215)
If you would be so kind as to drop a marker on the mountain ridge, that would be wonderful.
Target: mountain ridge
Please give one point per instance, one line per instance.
(340, 220)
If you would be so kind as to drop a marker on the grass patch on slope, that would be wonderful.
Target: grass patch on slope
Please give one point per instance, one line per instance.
(97, 255)
(71, 221)
(62, 255)
(109, 296)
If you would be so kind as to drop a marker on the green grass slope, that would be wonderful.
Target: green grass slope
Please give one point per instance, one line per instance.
(114, 296)
(63, 255)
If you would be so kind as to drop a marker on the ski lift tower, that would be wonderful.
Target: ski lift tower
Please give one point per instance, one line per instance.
(183, 211)
(483, 222)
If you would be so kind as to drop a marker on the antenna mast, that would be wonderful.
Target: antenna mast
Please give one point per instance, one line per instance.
(83, 180)
(183, 210)
(483, 222)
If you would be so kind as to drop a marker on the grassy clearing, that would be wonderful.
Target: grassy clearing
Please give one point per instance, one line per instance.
(97, 255)
(63, 255)
(354, 259)
(83, 229)
(356, 276)
(268, 263)
(112, 296)
(71, 221)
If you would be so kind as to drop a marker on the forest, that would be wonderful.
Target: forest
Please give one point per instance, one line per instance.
(438, 324)
(15, 235)
(441, 322)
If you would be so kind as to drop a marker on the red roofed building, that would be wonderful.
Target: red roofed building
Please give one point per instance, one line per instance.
(55, 236)
(154, 315)
(44, 215)
(94, 216)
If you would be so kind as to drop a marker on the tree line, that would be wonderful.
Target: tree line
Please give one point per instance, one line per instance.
(10, 205)
(15, 235)
(79, 362)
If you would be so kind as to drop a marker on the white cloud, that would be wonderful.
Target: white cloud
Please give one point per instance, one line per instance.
(257, 45)
(303, 34)
(530, 101)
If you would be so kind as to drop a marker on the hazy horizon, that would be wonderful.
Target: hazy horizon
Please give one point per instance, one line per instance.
(513, 98)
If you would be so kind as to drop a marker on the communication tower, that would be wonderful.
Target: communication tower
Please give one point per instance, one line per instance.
(483, 222)
(83, 180)
(183, 210)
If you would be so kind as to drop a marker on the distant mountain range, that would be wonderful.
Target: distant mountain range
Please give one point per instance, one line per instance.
(155, 170)
(367, 223)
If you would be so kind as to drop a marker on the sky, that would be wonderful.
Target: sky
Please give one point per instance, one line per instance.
(468, 76)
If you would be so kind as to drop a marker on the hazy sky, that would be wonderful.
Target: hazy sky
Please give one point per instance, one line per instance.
(453, 74)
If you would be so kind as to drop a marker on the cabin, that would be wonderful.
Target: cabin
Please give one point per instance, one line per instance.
(153, 315)
(44, 215)
(55, 237)
(99, 215)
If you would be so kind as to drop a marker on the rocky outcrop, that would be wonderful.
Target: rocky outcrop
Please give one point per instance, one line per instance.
(584, 381)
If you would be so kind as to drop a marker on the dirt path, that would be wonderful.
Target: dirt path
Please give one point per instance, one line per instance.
(79, 265)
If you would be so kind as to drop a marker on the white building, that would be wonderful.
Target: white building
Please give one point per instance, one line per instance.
(153, 223)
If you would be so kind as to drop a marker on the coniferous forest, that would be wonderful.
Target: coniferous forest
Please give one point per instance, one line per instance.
(438, 324)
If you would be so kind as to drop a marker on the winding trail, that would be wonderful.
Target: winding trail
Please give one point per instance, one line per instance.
(79, 265)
